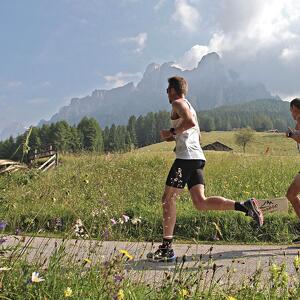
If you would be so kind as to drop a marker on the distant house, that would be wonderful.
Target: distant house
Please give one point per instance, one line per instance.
(273, 131)
(217, 146)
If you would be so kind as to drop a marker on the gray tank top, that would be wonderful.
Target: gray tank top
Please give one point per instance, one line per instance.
(188, 142)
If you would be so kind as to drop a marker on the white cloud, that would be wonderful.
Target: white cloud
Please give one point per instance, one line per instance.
(139, 40)
(260, 25)
(191, 58)
(244, 29)
(290, 54)
(287, 97)
(186, 14)
(121, 78)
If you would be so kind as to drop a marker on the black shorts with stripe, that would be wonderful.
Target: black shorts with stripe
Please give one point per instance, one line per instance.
(186, 171)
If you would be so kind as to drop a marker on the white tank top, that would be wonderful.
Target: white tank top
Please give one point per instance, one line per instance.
(188, 142)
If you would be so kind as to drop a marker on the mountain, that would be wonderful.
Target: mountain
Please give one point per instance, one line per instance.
(211, 85)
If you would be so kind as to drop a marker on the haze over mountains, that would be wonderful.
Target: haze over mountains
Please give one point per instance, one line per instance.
(211, 85)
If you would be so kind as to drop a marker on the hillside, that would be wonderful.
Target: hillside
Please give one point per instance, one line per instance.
(260, 115)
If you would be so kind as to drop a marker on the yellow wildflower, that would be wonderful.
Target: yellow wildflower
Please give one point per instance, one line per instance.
(120, 295)
(68, 292)
(183, 293)
(87, 261)
(230, 298)
(126, 253)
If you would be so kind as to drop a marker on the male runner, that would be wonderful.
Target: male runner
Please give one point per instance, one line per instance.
(294, 188)
(188, 169)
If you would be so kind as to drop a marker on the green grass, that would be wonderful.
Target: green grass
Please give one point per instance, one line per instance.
(97, 188)
(277, 142)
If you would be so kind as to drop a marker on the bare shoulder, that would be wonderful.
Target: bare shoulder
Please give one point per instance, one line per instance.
(179, 105)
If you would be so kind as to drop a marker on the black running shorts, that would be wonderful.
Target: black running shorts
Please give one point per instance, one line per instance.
(186, 171)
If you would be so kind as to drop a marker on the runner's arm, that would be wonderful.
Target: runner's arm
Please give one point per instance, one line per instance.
(170, 139)
(184, 112)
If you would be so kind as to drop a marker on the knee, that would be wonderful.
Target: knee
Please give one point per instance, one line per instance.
(200, 203)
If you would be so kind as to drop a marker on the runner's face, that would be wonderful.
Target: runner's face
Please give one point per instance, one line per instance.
(295, 112)
(171, 94)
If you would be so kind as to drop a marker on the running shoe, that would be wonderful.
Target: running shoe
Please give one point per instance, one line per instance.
(296, 240)
(254, 212)
(162, 254)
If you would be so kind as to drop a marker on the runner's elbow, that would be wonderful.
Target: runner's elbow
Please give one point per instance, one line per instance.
(191, 123)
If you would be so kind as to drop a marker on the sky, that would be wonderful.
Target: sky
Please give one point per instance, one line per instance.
(54, 50)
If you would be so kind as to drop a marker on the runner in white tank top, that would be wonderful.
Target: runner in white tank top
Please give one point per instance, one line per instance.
(188, 142)
(187, 169)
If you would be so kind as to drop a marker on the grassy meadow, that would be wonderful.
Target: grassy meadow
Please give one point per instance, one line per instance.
(117, 197)
(100, 190)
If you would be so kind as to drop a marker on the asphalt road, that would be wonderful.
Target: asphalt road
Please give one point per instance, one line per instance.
(243, 260)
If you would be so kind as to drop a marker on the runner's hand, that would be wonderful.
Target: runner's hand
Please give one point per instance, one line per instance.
(289, 132)
(165, 134)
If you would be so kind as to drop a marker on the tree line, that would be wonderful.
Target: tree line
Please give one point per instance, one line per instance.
(259, 115)
(89, 136)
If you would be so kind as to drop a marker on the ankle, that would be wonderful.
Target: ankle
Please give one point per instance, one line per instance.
(167, 242)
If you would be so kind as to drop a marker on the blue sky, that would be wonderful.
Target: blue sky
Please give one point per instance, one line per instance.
(53, 50)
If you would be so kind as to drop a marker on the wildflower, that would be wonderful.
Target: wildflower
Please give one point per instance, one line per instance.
(79, 222)
(35, 277)
(113, 221)
(2, 241)
(118, 278)
(135, 221)
(95, 213)
(68, 292)
(126, 253)
(79, 228)
(121, 221)
(126, 218)
(230, 298)
(4, 269)
(120, 295)
(183, 293)
(2, 225)
(87, 261)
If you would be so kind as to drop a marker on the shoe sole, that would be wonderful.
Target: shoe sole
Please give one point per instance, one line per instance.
(257, 211)
(152, 259)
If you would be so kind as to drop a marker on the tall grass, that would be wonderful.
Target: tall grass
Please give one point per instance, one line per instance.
(99, 190)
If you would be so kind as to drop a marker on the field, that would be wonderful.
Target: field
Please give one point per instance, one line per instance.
(98, 190)
(117, 197)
